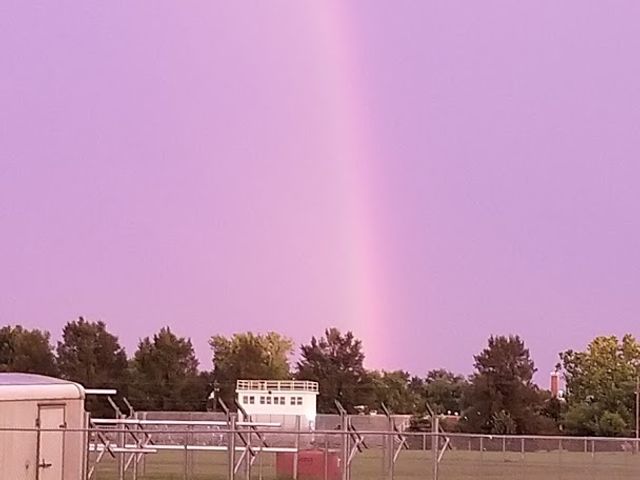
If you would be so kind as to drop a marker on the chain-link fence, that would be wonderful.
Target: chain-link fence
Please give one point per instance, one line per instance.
(533, 457)
(364, 455)
(196, 449)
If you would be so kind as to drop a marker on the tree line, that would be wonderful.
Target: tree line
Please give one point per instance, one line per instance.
(500, 397)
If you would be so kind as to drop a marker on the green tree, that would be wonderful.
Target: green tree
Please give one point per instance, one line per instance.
(165, 374)
(26, 351)
(90, 355)
(501, 397)
(394, 389)
(443, 391)
(611, 424)
(581, 419)
(503, 423)
(249, 356)
(336, 362)
(600, 386)
(554, 411)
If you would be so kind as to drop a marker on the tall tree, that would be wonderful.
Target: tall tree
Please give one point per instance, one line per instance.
(90, 355)
(165, 374)
(336, 362)
(601, 383)
(26, 351)
(502, 398)
(249, 356)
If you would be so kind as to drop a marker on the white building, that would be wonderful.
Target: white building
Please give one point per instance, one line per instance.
(279, 401)
(52, 405)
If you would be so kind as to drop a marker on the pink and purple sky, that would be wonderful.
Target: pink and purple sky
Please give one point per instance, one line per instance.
(423, 173)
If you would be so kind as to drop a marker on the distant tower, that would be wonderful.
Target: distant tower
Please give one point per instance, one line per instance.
(555, 384)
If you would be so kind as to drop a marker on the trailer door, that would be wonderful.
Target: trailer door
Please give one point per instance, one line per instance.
(51, 443)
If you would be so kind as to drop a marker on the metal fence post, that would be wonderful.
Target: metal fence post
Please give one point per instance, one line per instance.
(391, 453)
(388, 452)
(249, 456)
(87, 446)
(137, 438)
(560, 451)
(435, 444)
(144, 457)
(191, 454)
(326, 456)
(385, 467)
(185, 473)
(121, 443)
(231, 447)
(260, 464)
(296, 455)
(345, 447)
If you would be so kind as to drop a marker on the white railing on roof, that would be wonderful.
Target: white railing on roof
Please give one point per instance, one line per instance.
(278, 385)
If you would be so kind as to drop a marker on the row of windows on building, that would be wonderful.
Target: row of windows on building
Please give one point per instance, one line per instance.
(267, 400)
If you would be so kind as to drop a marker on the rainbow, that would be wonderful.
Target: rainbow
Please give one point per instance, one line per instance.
(353, 147)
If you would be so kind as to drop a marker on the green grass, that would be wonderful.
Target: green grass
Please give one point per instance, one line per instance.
(411, 465)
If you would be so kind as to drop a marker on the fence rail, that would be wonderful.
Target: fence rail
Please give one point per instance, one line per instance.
(161, 450)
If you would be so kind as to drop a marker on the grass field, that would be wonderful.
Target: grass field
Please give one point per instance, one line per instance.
(411, 465)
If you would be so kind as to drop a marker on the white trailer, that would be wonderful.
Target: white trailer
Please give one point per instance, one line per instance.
(36, 414)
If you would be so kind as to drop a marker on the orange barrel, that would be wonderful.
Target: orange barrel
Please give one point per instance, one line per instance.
(311, 465)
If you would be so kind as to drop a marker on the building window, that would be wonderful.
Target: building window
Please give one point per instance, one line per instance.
(268, 400)
(299, 401)
(282, 401)
(252, 399)
(245, 399)
(261, 400)
(276, 400)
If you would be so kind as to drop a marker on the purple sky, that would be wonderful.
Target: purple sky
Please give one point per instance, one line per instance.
(453, 169)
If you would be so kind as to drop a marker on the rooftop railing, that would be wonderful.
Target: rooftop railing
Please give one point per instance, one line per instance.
(277, 385)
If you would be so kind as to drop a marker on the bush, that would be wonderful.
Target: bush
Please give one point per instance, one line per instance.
(611, 424)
